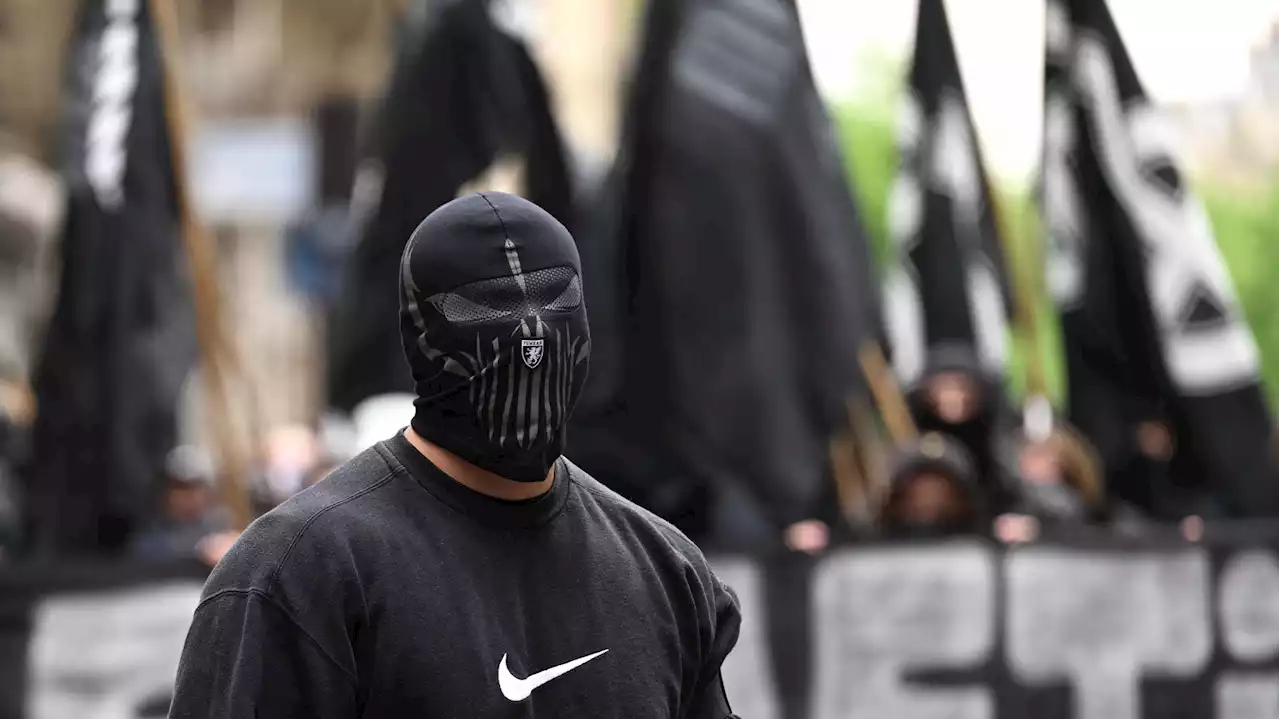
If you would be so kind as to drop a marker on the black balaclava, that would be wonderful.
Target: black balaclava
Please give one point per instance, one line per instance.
(495, 331)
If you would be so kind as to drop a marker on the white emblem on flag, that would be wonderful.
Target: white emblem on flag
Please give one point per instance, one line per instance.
(531, 352)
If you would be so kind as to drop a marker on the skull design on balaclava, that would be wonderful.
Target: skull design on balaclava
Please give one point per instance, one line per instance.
(494, 327)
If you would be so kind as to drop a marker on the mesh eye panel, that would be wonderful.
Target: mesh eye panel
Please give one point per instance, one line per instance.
(569, 299)
(551, 289)
(459, 309)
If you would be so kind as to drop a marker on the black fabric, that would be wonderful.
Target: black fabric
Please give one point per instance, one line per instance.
(495, 332)
(947, 293)
(336, 122)
(120, 342)
(740, 266)
(388, 590)
(948, 282)
(498, 512)
(789, 625)
(464, 93)
(1152, 330)
(602, 439)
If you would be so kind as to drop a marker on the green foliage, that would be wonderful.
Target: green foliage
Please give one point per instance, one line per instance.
(1246, 225)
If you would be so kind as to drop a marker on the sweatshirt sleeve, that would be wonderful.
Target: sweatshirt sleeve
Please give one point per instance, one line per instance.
(245, 658)
(710, 700)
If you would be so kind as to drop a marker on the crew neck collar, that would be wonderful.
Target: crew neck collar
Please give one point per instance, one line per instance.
(481, 507)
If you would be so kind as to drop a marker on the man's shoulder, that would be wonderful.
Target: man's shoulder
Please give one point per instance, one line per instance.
(636, 518)
(680, 564)
(302, 531)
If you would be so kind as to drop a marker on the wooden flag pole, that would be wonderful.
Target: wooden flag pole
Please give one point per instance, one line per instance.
(860, 481)
(213, 347)
(893, 406)
(841, 453)
(872, 456)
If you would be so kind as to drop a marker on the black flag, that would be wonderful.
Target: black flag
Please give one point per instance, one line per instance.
(741, 274)
(119, 344)
(1152, 329)
(948, 282)
(465, 93)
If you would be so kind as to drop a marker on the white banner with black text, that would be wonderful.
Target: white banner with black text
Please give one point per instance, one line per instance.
(964, 630)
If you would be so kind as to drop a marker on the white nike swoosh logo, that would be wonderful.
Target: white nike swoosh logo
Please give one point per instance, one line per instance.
(520, 689)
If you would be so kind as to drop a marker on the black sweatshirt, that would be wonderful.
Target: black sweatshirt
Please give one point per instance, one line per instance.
(390, 591)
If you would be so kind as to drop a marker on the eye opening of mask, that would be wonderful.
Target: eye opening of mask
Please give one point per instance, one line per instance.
(511, 297)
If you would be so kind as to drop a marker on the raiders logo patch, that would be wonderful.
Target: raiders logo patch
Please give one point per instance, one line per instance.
(531, 351)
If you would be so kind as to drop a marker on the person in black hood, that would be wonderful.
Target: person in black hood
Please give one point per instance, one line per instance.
(933, 492)
(956, 397)
(464, 567)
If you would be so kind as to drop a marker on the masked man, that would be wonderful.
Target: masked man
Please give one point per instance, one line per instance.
(464, 568)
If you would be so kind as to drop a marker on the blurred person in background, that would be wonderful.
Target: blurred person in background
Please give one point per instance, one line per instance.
(192, 523)
(1149, 477)
(294, 457)
(788, 563)
(1055, 484)
(327, 460)
(933, 492)
(1060, 483)
(464, 566)
(1058, 479)
(284, 465)
(32, 202)
(290, 452)
(825, 527)
(957, 398)
(1139, 456)
(1144, 487)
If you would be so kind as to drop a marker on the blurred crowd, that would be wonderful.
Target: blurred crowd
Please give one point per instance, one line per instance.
(976, 465)
(979, 468)
(975, 469)
(971, 461)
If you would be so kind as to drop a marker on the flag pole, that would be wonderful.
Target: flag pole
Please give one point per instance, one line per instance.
(213, 347)
(888, 396)
(859, 477)
(1027, 287)
(860, 480)
(1037, 415)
